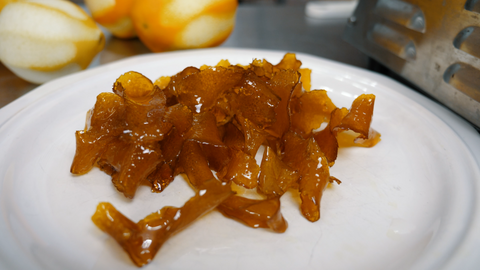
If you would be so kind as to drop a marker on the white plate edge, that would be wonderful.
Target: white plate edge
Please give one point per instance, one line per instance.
(462, 128)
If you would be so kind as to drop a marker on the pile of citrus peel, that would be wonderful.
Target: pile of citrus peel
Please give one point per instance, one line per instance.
(208, 124)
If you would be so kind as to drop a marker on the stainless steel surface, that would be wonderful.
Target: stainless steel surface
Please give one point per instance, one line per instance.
(276, 27)
(287, 28)
(433, 44)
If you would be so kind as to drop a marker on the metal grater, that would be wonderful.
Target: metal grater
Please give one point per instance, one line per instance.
(435, 44)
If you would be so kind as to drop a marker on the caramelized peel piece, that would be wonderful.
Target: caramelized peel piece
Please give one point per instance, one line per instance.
(172, 146)
(218, 156)
(233, 137)
(306, 157)
(349, 138)
(162, 82)
(180, 116)
(204, 129)
(262, 68)
(104, 122)
(145, 121)
(134, 86)
(282, 84)
(171, 89)
(254, 136)
(200, 90)
(89, 149)
(143, 239)
(327, 138)
(193, 162)
(255, 213)
(111, 160)
(358, 120)
(309, 111)
(289, 61)
(374, 137)
(275, 176)
(139, 160)
(161, 177)
(306, 77)
(314, 180)
(360, 116)
(255, 100)
(242, 170)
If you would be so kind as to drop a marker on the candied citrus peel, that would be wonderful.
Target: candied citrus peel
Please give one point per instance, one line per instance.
(255, 213)
(143, 239)
(209, 124)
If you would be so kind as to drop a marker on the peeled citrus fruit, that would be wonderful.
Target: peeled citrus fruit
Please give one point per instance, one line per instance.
(113, 15)
(164, 25)
(44, 39)
(4, 3)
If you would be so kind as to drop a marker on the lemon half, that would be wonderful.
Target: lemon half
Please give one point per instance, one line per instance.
(44, 39)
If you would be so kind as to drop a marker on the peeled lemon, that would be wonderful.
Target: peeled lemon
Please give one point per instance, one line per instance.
(165, 25)
(44, 39)
(113, 15)
(4, 3)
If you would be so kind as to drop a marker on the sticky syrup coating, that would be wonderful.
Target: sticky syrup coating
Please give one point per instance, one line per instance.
(255, 213)
(143, 239)
(208, 123)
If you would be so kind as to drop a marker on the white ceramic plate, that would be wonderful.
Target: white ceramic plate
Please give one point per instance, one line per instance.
(412, 201)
